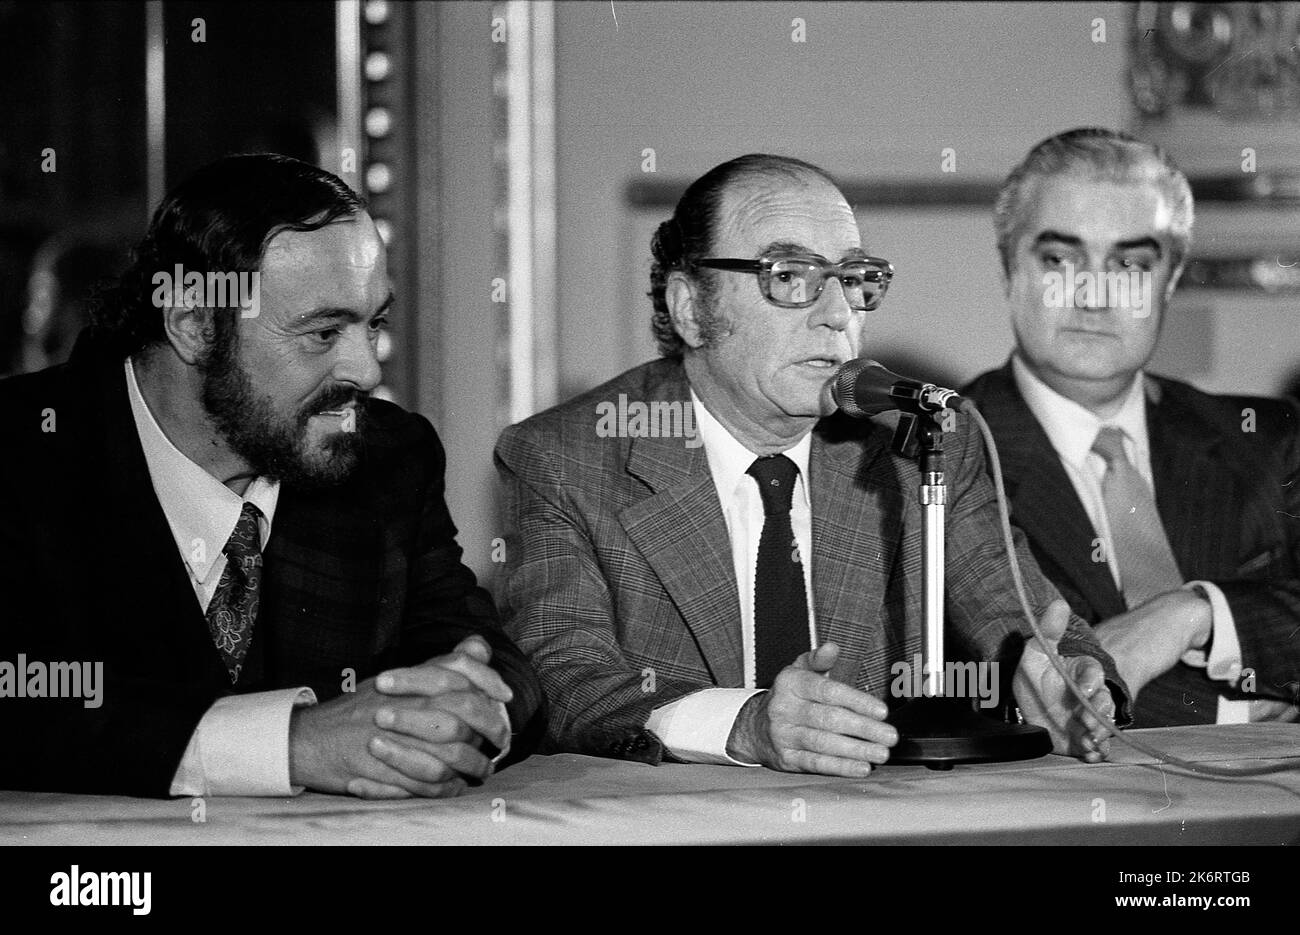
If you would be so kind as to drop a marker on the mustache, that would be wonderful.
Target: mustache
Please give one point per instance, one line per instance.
(334, 397)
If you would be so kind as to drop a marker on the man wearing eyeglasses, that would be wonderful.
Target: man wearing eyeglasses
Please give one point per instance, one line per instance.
(689, 600)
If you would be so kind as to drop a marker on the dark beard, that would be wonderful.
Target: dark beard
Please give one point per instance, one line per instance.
(272, 446)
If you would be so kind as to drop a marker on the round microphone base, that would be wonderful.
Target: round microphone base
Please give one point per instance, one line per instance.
(942, 732)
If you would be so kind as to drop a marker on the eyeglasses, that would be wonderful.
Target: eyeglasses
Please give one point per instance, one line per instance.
(797, 281)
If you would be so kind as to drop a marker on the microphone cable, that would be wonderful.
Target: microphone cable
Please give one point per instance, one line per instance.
(1008, 542)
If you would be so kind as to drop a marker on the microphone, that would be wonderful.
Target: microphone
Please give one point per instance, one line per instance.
(864, 388)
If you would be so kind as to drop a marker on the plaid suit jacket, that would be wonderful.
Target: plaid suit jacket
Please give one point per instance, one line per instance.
(362, 576)
(620, 587)
(1229, 501)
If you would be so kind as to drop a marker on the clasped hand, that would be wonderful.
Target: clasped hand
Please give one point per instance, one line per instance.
(407, 732)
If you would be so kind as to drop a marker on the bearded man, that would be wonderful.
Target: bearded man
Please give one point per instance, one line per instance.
(227, 569)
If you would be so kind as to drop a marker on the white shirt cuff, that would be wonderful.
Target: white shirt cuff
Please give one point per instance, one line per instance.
(241, 746)
(1224, 661)
(505, 716)
(696, 728)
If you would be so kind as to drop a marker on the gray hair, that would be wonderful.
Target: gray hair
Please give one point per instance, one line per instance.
(1104, 155)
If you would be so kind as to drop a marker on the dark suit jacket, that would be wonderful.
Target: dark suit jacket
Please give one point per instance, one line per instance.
(619, 582)
(366, 575)
(1229, 500)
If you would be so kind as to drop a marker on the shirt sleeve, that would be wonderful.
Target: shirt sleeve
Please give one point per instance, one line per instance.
(241, 746)
(696, 728)
(1223, 662)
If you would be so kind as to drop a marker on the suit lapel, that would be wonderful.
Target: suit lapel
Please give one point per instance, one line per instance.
(143, 568)
(681, 532)
(857, 510)
(857, 520)
(1043, 500)
(320, 587)
(678, 530)
(1194, 489)
(321, 584)
(1198, 498)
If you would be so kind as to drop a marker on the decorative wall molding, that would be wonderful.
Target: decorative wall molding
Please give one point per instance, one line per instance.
(659, 193)
(1272, 189)
(1239, 61)
(1271, 273)
(524, 218)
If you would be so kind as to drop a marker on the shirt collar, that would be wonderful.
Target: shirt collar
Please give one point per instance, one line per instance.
(201, 511)
(729, 460)
(1070, 427)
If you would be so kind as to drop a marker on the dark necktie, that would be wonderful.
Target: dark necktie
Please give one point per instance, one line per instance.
(1142, 554)
(780, 599)
(233, 608)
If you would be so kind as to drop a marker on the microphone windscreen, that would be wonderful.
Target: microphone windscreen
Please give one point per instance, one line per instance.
(862, 388)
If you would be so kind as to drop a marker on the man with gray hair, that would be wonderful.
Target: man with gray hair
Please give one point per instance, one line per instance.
(1164, 515)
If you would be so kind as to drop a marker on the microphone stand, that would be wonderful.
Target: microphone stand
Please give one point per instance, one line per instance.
(937, 730)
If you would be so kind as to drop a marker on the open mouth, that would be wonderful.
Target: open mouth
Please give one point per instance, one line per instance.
(822, 363)
(346, 416)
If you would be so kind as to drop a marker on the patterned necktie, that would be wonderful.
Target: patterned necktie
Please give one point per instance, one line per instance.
(1146, 563)
(780, 599)
(233, 608)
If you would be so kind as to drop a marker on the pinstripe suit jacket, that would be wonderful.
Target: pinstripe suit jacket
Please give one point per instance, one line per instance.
(365, 575)
(619, 582)
(1229, 501)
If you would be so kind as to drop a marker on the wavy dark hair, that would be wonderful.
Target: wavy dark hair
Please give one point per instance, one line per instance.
(217, 220)
(687, 237)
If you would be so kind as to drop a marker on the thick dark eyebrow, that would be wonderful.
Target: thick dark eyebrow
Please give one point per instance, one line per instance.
(319, 316)
(1139, 242)
(1071, 241)
(1057, 237)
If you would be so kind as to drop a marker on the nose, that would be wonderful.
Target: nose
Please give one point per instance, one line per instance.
(1094, 292)
(832, 306)
(357, 362)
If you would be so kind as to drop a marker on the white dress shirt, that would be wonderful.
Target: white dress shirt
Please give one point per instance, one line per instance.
(1072, 429)
(696, 727)
(241, 745)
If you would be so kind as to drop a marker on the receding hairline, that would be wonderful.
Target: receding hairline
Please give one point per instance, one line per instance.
(313, 226)
(750, 188)
(800, 175)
